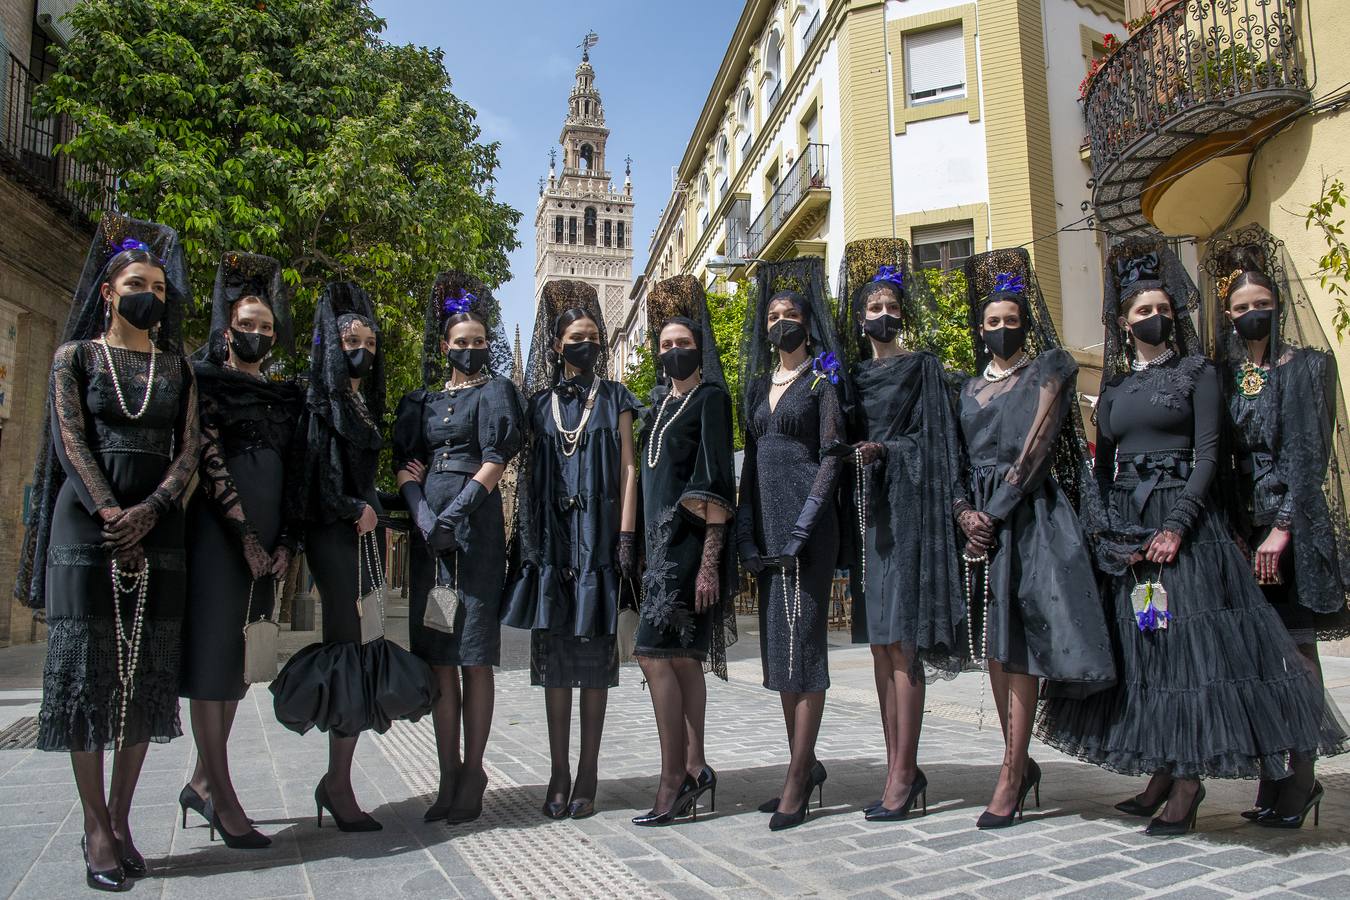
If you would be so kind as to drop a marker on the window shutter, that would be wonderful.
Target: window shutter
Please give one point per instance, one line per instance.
(948, 231)
(935, 64)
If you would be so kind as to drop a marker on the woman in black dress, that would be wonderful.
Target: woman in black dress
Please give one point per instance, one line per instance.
(1034, 610)
(241, 533)
(1209, 683)
(1284, 465)
(354, 679)
(103, 550)
(787, 519)
(575, 531)
(452, 442)
(687, 617)
(907, 590)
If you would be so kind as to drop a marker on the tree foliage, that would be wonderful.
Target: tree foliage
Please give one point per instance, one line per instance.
(288, 127)
(949, 320)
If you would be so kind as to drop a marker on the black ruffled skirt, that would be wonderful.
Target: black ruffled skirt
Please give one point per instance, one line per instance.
(1222, 692)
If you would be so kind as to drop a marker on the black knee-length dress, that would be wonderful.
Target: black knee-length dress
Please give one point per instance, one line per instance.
(453, 434)
(785, 464)
(250, 452)
(113, 460)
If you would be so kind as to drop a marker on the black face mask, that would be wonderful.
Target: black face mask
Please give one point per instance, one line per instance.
(681, 362)
(470, 361)
(359, 362)
(1005, 342)
(883, 328)
(582, 355)
(1154, 330)
(787, 335)
(1255, 324)
(142, 310)
(249, 346)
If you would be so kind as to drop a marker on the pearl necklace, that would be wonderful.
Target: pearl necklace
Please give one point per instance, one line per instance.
(475, 381)
(862, 512)
(128, 645)
(783, 380)
(992, 374)
(659, 431)
(117, 384)
(977, 653)
(792, 610)
(571, 439)
(1155, 361)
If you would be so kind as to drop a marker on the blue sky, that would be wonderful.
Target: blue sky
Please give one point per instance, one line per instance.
(514, 63)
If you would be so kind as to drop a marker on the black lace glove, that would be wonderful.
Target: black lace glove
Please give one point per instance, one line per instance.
(627, 555)
(707, 585)
(801, 532)
(281, 561)
(131, 526)
(130, 559)
(256, 555)
(978, 529)
(1182, 516)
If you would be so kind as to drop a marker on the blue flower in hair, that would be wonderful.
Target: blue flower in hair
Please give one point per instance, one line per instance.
(893, 274)
(826, 365)
(1008, 283)
(461, 302)
(131, 244)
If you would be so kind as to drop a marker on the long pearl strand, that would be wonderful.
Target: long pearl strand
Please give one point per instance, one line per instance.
(571, 438)
(128, 645)
(792, 611)
(117, 384)
(862, 512)
(659, 431)
(977, 654)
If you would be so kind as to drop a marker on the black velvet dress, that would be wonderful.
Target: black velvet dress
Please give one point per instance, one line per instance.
(250, 452)
(785, 463)
(341, 685)
(110, 461)
(912, 595)
(1222, 692)
(568, 594)
(695, 464)
(1045, 615)
(1275, 467)
(453, 435)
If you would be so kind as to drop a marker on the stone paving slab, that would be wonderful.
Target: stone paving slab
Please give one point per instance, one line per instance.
(1074, 845)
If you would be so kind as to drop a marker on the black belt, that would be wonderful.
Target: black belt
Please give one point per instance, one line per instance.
(444, 462)
(1150, 469)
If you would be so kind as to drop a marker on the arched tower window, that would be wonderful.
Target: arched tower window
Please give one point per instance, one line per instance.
(590, 226)
(587, 157)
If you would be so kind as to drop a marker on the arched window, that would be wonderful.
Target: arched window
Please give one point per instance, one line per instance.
(723, 152)
(587, 157)
(773, 68)
(703, 187)
(590, 226)
(619, 236)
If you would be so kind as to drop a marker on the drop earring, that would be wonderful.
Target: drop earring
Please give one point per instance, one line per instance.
(107, 315)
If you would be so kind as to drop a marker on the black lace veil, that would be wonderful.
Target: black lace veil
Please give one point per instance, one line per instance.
(243, 274)
(543, 367)
(682, 298)
(117, 236)
(805, 276)
(882, 261)
(330, 396)
(1306, 427)
(1139, 264)
(454, 292)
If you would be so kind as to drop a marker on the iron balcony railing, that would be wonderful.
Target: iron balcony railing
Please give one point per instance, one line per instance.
(1192, 71)
(807, 173)
(775, 94)
(738, 228)
(29, 146)
(809, 36)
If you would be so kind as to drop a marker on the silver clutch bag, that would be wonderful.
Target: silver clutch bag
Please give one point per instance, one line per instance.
(260, 643)
(370, 605)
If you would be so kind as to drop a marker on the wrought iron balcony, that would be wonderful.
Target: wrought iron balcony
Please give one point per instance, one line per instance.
(29, 149)
(813, 29)
(1202, 71)
(803, 192)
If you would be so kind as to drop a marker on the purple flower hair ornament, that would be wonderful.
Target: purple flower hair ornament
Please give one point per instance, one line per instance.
(891, 274)
(461, 302)
(1008, 283)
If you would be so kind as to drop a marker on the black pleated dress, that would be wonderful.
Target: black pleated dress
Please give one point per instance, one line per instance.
(1044, 614)
(112, 460)
(249, 443)
(685, 458)
(453, 435)
(1222, 692)
(785, 463)
(570, 597)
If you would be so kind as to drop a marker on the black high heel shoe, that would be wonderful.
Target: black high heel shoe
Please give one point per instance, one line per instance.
(683, 805)
(322, 802)
(1162, 828)
(253, 839)
(1261, 809)
(459, 815)
(781, 821)
(1031, 778)
(133, 864)
(1314, 805)
(1136, 807)
(112, 880)
(917, 789)
(557, 809)
(190, 799)
(818, 776)
(705, 782)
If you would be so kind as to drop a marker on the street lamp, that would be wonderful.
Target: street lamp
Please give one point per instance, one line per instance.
(725, 265)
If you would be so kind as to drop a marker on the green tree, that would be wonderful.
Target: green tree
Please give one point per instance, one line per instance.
(949, 321)
(287, 127)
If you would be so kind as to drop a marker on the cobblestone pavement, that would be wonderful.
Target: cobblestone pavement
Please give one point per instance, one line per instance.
(1074, 845)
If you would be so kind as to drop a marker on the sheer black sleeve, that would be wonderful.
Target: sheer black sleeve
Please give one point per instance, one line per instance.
(831, 420)
(184, 464)
(219, 485)
(1054, 390)
(70, 432)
